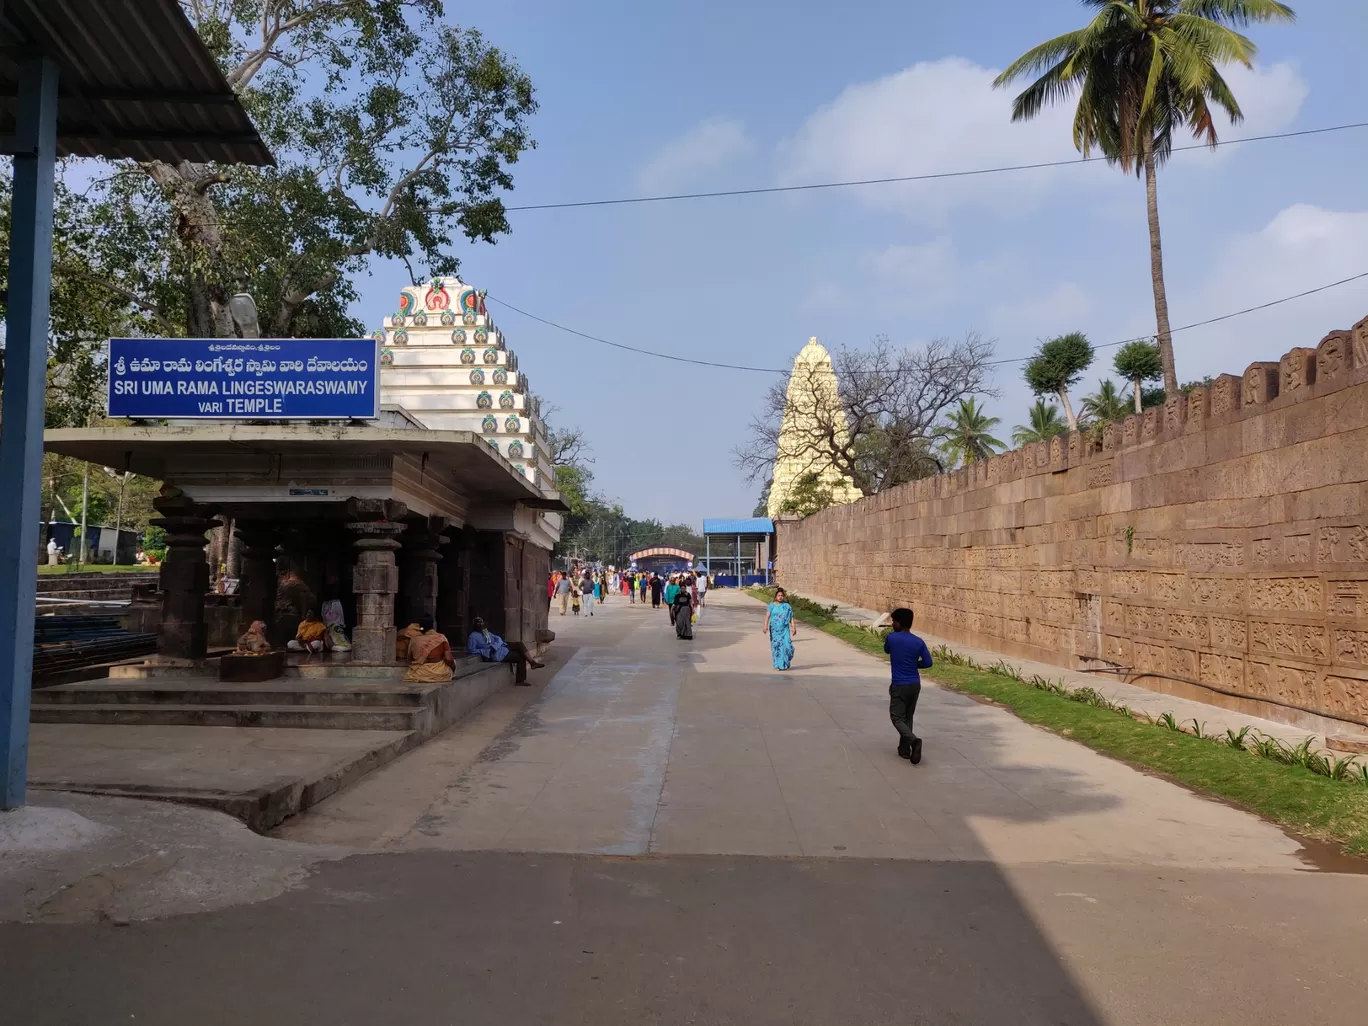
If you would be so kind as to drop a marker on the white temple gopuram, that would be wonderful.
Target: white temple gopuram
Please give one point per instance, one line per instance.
(813, 401)
(445, 362)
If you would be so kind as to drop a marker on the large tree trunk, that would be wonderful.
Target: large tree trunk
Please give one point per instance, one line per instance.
(1136, 394)
(1068, 409)
(186, 188)
(1161, 315)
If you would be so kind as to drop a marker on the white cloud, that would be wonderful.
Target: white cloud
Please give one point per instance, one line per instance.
(1270, 97)
(945, 116)
(933, 117)
(923, 272)
(1302, 247)
(704, 148)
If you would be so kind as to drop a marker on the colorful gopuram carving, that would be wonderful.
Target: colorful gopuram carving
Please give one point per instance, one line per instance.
(440, 353)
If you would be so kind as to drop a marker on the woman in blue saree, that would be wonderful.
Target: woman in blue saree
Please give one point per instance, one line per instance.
(779, 627)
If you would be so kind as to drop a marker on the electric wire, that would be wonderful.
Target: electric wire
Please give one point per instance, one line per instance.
(995, 363)
(925, 177)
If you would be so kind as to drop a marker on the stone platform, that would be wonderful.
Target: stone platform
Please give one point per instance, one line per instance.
(259, 751)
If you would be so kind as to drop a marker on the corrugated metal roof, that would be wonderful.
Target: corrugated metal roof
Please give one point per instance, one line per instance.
(135, 81)
(739, 525)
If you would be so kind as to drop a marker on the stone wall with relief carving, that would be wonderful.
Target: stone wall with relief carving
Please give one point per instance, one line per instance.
(1220, 539)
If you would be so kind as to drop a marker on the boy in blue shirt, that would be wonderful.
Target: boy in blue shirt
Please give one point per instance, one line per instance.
(908, 655)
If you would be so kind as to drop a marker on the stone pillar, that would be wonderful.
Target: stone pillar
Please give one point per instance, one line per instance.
(375, 578)
(418, 568)
(256, 544)
(184, 575)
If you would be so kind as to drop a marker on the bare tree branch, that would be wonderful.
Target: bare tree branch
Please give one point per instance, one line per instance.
(879, 428)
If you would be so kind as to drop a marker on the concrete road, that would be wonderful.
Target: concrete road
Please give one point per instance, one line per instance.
(671, 832)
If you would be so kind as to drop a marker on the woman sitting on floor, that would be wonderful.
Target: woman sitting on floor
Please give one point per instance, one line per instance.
(429, 653)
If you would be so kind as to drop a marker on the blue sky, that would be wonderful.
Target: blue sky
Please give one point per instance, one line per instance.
(645, 98)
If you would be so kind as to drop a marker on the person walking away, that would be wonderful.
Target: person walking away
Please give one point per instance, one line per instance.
(693, 597)
(563, 589)
(643, 585)
(551, 592)
(702, 586)
(598, 589)
(908, 656)
(493, 649)
(631, 582)
(779, 627)
(681, 612)
(575, 593)
(587, 587)
(657, 586)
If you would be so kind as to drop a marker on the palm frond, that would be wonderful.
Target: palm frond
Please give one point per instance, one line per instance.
(1047, 89)
(1040, 58)
(1219, 91)
(1238, 12)
(1216, 42)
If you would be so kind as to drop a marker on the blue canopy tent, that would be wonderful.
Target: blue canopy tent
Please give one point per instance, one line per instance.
(86, 78)
(741, 530)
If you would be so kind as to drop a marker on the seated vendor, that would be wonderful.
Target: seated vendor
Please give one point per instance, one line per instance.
(429, 655)
(253, 641)
(493, 649)
(311, 635)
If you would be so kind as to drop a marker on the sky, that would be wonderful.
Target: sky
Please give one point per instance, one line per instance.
(641, 99)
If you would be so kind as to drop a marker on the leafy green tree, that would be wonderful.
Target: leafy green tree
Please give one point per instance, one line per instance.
(967, 436)
(1139, 362)
(394, 129)
(1106, 404)
(808, 495)
(1057, 364)
(1143, 69)
(1044, 425)
(762, 504)
(82, 316)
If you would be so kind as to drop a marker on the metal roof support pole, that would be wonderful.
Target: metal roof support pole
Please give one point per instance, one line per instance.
(21, 434)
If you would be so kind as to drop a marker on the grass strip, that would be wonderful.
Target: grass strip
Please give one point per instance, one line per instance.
(1288, 795)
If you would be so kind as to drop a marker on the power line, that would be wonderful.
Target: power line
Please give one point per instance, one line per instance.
(929, 176)
(1213, 320)
(631, 349)
(995, 363)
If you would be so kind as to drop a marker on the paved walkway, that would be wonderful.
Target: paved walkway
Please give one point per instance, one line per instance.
(643, 743)
(664, 832)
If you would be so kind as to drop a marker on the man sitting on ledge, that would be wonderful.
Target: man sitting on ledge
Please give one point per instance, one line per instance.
(493, 649)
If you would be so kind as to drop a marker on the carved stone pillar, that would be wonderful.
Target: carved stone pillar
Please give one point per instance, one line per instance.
(418, 568)
(375, 578)
(184, 575)
(256, 544)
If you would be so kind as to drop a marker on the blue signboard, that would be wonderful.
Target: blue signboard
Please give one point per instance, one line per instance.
(244, 379)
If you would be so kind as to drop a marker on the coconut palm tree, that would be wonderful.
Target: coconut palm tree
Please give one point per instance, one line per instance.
(1106, 404)
(967, 435)
(1141, 70)
(1045, 424)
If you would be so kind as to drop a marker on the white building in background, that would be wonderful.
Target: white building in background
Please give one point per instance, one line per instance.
(812, 407)
(446, 363)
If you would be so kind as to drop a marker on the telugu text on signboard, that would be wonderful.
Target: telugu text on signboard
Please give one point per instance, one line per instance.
(243, 379)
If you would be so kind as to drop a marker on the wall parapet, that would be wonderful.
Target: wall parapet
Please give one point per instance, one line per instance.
(1219, 539)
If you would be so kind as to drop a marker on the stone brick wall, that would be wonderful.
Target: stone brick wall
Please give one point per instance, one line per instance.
(1221, 539)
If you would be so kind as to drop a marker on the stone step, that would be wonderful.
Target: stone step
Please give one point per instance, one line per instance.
(332, 697)
(298, 716)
